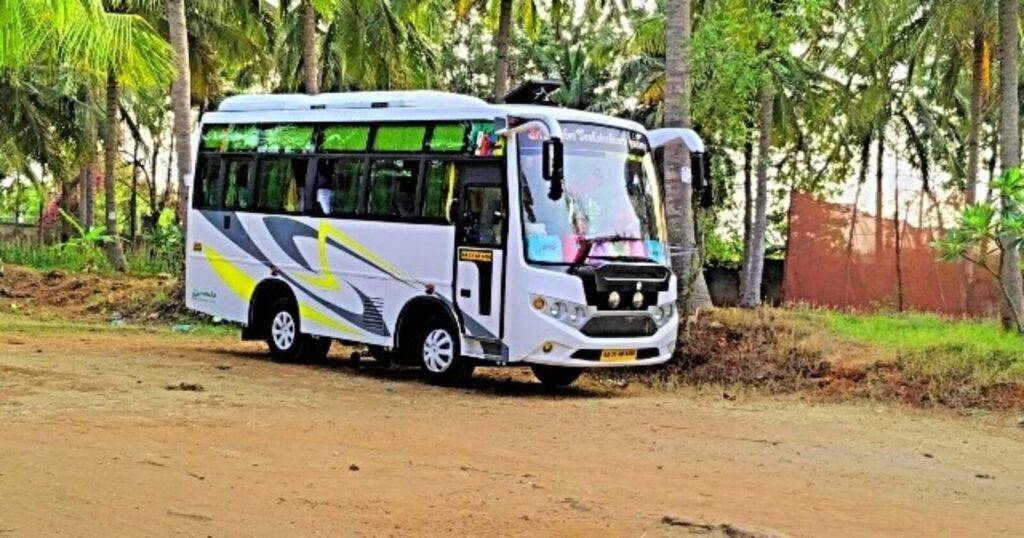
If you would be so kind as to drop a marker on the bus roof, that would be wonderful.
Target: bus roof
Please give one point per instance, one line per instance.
(414, 105)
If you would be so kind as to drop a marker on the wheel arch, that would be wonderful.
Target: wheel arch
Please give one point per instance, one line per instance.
(419, 308)
(265, 293)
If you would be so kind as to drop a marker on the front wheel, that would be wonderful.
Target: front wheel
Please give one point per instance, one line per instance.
(440, 354)
(555, 376)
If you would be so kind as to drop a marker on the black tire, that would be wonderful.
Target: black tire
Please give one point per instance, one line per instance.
(315, 349)
(285, 339)
(439, 353)
(555, 376)
(385, 357)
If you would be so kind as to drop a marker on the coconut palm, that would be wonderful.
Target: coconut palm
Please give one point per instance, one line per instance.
(181, 99)
(1009, 151)
(501, 14)
(137, 57)
(367, 44)
(693, 290)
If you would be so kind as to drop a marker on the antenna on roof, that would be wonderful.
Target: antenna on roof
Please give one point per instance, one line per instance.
(533, 92)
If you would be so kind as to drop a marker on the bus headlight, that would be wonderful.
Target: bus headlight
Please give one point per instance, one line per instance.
(567, 312)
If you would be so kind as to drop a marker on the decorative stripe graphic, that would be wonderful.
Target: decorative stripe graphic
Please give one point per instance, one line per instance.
(309, 312)
(237, 280)
(240, 237)
(285, 231)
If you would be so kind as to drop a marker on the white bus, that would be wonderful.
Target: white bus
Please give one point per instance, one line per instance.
(434, 228)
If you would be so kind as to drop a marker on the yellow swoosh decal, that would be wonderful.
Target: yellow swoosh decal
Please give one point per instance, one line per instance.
(237, 280)
(308, 312)
(326, 279)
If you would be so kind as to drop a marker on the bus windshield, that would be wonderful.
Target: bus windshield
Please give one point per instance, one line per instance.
(611, 208)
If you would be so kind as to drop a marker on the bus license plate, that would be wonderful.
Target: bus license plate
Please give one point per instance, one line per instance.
(618, 355)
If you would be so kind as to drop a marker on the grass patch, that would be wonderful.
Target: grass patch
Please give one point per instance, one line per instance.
(981, 350)
(141, 261)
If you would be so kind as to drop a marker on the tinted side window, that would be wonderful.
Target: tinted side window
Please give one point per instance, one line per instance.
(206, 183)
(392, 188)
(339, 186)
(281, 185)
(438, 188)
(238, 184)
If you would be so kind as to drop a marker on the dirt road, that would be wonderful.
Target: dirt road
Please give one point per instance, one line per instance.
(92, 442)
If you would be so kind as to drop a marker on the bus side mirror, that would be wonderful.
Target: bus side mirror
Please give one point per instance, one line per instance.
(701, 166)
(553, 159)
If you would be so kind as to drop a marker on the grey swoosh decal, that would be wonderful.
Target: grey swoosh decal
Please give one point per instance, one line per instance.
(237, 235)
(284, 231)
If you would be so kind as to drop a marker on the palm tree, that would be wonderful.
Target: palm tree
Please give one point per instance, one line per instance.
(501, 50)
(310, 53)
(181, 100)
(693, 290)
(367, 44)
(503, 11)
(1009, 151)
(137, 56)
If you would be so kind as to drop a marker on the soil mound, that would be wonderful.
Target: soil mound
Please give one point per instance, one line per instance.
(90, 297)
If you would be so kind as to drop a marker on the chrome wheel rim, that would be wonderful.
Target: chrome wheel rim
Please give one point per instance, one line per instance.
(282, 330)
(438, 351)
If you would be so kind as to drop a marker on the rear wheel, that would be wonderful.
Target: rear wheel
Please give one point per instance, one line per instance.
(440, 354)
(555, 376)
(286, 342)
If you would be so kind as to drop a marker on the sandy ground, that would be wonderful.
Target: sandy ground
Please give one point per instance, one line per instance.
(93, 443)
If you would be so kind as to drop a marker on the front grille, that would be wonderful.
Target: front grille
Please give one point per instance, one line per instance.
(595, 354)
(617, 272)
(610, 326)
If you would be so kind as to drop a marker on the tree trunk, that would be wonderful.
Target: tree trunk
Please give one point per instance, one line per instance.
(686, 262)
(181, 102)
(154, 199)
(88, 207)
(897, 240)
(974, 127)
(110, 146)
(63, 204)
(133, 202)
(978, 86)
(879, 195)
(168, 186)
(750, 296)
(501, 47)
(17, 198)
(310, 56)
(748, 206)
(1009, 153)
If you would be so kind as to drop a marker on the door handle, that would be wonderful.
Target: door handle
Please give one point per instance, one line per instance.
(227, 222)
(465, 293)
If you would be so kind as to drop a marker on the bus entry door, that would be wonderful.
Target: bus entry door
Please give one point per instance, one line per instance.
(480, 249)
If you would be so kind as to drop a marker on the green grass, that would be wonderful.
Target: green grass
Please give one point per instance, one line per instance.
(978, 349)
(141, 261)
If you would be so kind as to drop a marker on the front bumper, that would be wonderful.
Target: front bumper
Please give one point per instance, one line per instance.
(570, 348)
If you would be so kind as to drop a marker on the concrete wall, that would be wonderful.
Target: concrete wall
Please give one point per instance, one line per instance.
(26, 233)
(724, 284)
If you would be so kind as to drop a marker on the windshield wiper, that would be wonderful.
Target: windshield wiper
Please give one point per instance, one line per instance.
(587, 244)
(643, 259)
